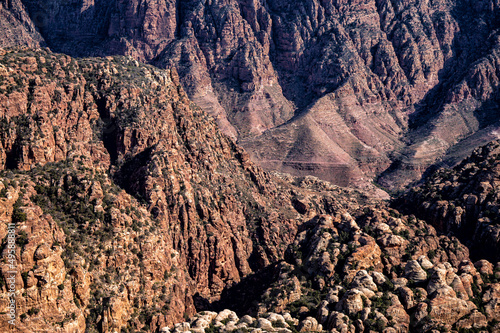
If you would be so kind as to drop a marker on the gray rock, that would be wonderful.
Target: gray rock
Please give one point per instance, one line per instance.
(414, 272)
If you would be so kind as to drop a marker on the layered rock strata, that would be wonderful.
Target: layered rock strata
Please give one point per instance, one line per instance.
(344, 91)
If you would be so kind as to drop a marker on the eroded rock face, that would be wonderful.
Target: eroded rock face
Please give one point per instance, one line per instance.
(228, 321)
(163, 233)
(328, 260)
(323, 88)
(134, 211)
(135, 207)
(43, 281)
(17, 27)
(463, 200)
(414, 272)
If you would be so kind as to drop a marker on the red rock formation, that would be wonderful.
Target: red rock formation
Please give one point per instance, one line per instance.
(114, 153)
(463, 201)
(343, 77)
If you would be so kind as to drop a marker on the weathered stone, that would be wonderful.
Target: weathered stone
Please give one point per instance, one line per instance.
(414, 272)
(351, 303)
(310, 324)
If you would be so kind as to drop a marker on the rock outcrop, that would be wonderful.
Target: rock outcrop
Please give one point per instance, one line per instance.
(351, 279)
(130, 204)
(174, 206)
(463, 201)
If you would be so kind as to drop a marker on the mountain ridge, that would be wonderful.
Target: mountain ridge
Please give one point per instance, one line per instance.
(134, 212)
(111, 152)
(137, 210)
(392, 75)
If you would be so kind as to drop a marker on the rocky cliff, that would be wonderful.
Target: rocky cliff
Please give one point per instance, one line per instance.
(130, 204)
(373, 271)
(463, 201)
(134, 212)
(342, 90)
(67, 124)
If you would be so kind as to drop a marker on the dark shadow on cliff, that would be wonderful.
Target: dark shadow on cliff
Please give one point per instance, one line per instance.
(72, 29)
(109, 130)
(132, 174)
(243, 297)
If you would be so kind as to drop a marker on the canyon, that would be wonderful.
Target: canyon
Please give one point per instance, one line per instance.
(349, 91)
(225, 165)
(133, 212)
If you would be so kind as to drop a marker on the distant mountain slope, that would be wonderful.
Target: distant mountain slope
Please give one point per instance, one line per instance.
(380, 83)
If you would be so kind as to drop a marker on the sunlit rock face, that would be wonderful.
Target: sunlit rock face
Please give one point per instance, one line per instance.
(346, 91)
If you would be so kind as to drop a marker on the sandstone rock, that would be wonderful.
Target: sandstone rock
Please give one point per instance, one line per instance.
(365, 256)
(446, 309)
(437, 279)
(247, 320)
(358, 67)
(226, 315)
(392, 241)
(380, 317)
(179, 213)
(460, 201)
(277, 319)
(414, 272)
(378, 277)
(475, 320)
(339, 322)
(399, 282)
(389, 330)
(420, 311)
(484, 267)
(200, 323)
(289, 318)
(42, 252)
(333, 294)
(383, 229)
(117, 313)
(182, 327)
(103, 116)
(351, 303)
(310, 324)
(400, 317)
(420, 294)
(323, 313)
(265, 324)
(425, 263)
(459, 288)
(363, 280)
(406, 295)
(491, 299)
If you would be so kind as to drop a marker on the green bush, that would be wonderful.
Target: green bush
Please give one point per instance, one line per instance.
(17, 214)
(22, 238)
(33, 311)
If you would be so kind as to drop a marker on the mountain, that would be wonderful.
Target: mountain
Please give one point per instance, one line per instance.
(131, 134)
(463, 201)
(129, 202)
(345, 90)
(133, 212)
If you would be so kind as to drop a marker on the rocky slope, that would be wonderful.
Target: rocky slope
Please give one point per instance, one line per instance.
(375, 271)
(134, 212)
(17, 27)
(463, 201)
(130, 204)
(342, 90)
